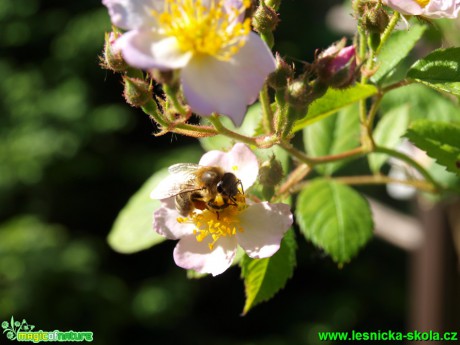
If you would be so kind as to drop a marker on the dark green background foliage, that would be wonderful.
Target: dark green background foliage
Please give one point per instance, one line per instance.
(72, 153)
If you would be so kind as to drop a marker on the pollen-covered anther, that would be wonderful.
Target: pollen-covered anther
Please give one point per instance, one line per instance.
(200, 28)
(217, 225)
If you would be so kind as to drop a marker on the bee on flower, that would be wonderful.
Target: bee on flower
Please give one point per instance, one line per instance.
(204, 206)
(223, 64)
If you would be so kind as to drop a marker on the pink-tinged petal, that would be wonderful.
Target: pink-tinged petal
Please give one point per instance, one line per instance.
(240, 160)
(409, 7)
(132, 14)
(194, 255)
(147, 49)
(264, 225)
(227, 87)
(441, 9)
(165, 221)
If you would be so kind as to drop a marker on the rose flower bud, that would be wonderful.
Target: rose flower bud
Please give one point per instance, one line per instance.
(336, 66)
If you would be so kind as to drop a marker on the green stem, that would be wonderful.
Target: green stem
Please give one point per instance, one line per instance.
(381, 179)
(172, 95)
(389, 29)
(267, 112)
(221, 129)
(194, 130)
(396, 85)
(412, 162)
(312, 161)
(151, 109)
(372, 180)
(362, 45)
(373, 112)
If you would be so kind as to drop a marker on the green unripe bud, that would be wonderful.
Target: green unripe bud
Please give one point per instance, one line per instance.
(279, 78)
(372, 16)
(271, 172)
(275, 4)
(265, 19)
(297, 98)
(137, 92)
(112, 58)
(375, 20)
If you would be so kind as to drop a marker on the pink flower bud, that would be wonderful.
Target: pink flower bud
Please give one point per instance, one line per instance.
(336, 66)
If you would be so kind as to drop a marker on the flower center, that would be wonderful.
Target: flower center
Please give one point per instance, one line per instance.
(205, 26)
(217, 224)
(422, 3)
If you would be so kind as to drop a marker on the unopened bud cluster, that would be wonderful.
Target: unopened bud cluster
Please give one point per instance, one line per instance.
(112, 58)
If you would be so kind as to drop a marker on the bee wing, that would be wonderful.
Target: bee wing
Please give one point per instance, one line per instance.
(180, 180)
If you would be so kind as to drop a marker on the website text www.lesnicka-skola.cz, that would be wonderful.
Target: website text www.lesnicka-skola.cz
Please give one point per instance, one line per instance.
(388, 336)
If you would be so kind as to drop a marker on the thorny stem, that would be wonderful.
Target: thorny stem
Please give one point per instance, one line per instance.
(196, 131)
(151, 109)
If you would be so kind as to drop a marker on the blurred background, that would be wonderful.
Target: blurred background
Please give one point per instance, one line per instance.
(72, 153)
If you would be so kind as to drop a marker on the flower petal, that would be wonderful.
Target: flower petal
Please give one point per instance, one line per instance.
(148, 49)
(227, 87)
(409, 7)
(442, 9)
(399, 191)
(264, 225)
(165, 221)
(194, 255)
(132, 14)
(240, 160)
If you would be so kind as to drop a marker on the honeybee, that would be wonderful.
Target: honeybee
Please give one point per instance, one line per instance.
(199, 187)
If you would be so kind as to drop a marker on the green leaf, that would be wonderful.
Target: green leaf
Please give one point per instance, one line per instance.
(335, 218)
(440, 140)
(133, 228)
(424, 103)
(388, 133)
(439, 70)
(396, 49)
(332, 101)
(263, 278)
(332, 135)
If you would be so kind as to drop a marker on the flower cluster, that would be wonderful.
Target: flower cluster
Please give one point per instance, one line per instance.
(208, 239)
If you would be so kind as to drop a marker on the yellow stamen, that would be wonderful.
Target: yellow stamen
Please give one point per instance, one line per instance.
(205, 26)
(422, 3)
(224, 223)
